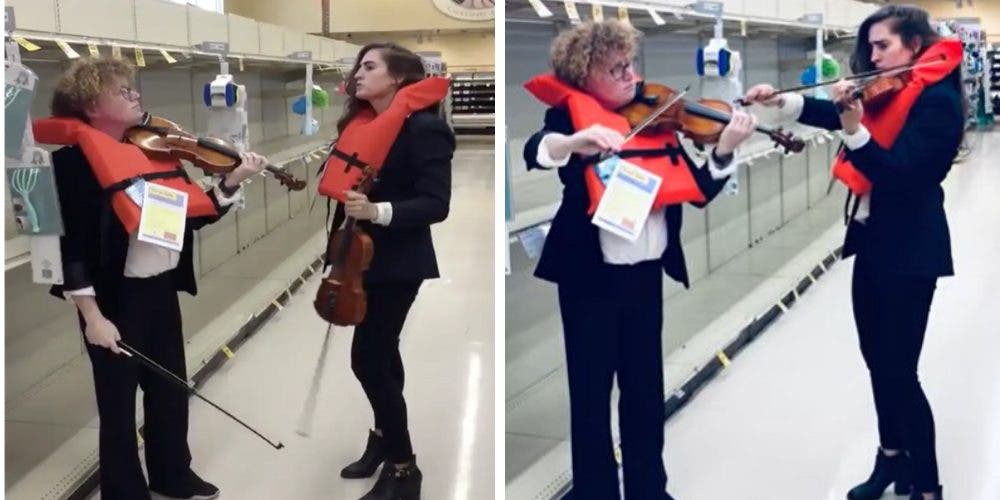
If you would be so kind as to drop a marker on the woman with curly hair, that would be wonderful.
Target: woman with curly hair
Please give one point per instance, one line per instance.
(125, 288)
(611, 289)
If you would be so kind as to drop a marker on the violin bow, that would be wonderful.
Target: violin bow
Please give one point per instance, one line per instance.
(655, 114)
(877, 72)
(189, 387)
(309, 408)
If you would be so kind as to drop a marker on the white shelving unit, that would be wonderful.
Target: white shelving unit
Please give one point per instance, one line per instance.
(473, 102)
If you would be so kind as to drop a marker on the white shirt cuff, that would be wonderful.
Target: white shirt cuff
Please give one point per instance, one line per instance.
(858, 139)
(723, 172)
(545, 159)
(792, 109)
(225, 201)
(383, 213)
(83, 291)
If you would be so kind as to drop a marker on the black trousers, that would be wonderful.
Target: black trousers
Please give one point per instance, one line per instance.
(377, 364)
(607, 333)
(891, 312)
(150, 321)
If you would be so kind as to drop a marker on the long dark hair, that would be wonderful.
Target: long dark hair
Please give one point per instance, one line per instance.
(911, 23)
(400, 62)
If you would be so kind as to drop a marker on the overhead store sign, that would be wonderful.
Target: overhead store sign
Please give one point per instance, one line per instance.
(468, 10)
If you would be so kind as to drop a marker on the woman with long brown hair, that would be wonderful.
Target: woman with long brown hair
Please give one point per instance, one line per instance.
(896, 156)
(413, 191)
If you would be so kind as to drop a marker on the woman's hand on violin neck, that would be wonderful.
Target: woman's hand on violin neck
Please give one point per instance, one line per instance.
(740, 127)
(358, 206)
(251, 164)
(596, 139)
(764, 95)
(842, 90)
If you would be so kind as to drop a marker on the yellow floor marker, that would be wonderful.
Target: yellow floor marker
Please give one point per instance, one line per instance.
(723, 359)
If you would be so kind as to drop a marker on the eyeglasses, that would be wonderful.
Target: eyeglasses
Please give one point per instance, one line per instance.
(621, 71)
(128, 93)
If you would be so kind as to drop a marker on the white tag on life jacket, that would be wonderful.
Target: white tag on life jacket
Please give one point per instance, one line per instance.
(164, 216)
(627, 200)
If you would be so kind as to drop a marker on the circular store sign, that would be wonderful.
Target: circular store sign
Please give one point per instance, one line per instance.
(468, 10)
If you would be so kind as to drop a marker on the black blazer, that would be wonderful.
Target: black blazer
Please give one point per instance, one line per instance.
(416, 179)
(572, 253)
(95, 243)
(907, 230)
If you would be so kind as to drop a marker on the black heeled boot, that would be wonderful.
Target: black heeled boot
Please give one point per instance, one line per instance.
(368, 463)
(888, 470)
(938, 494)
(397, 484)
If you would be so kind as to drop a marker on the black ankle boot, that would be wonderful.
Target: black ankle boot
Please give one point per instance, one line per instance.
(397, 484)
(938, 495)
(888, 470)
(368, 463)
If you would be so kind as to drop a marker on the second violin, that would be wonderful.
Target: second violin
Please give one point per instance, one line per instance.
(341, 298)
(702, 120)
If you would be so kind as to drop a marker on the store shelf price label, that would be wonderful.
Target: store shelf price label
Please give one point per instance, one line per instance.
(302, 55)
(166, 55)
(140, 59)
(597, 11)
(70, 53)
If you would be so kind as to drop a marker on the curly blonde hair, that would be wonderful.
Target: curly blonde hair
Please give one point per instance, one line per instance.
(575, 51)
(82, 84)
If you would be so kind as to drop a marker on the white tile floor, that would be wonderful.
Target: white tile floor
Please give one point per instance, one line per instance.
(792, 418)
(447, 347)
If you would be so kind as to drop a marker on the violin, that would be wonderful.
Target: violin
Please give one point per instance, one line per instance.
(702, 120)
(341, 298)
(163, 138)
(877, 91)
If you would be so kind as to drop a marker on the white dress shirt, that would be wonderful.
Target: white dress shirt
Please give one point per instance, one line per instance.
(652, 239)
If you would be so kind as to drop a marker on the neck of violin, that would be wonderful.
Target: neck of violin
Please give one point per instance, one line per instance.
(719, 116)
(345, 242)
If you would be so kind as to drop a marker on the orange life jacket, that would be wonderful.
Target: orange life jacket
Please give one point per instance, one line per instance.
(367, 139)
(886, 121)
(116, 165)
(678, 184)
